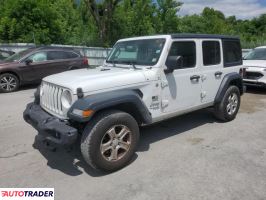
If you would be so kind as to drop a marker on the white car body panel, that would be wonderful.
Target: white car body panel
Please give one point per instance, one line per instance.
(91, 80)
(165, 95)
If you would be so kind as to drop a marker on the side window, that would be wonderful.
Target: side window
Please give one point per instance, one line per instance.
(211, 53)
(71, 55)
(186, 49)
(56, 55)
(232, 53)
(38, 57)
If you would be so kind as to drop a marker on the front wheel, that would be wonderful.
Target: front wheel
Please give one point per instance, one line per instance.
(110, 140)
(8, 83)
(228, 108)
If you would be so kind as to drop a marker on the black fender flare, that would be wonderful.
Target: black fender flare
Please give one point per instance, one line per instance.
(105, 100)
(233, 78)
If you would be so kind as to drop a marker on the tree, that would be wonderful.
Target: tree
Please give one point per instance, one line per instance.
(167, 15)
(29, 21)
(102, 22)
(45, 22)
(102, 14)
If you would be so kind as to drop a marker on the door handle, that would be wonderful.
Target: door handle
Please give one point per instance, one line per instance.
(218, 73)
(195, 77)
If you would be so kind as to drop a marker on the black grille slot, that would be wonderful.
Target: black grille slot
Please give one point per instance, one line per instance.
(253, 75)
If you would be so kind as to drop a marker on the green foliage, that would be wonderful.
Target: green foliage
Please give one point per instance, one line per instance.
(22, 20)
(133, 19)
(101, 23)
(42, 22)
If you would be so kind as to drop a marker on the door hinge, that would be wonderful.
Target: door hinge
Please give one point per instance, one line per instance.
(164, 103)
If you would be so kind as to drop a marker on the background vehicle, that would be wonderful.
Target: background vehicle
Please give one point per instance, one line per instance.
(245, 52)
(144, 80)
(255, 65)
(31, 65)
(5, 54)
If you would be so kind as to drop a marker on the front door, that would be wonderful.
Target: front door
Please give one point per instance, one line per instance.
(181, 89)
(34, 70)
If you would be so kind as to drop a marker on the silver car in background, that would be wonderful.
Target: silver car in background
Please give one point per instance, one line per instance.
(255, 65)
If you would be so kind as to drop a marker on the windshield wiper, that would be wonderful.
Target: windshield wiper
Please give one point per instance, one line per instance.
(132, 63)
(114, 63)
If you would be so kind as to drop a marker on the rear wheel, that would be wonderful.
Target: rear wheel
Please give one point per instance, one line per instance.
(228, 108)
(110, 140)
(8, 82)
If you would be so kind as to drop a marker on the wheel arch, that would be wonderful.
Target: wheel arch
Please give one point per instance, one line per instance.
(228, 80)
(128, 101)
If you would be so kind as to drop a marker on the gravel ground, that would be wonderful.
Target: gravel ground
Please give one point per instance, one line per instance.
(188, 157)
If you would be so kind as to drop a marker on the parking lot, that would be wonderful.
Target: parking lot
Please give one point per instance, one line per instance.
(188, 157)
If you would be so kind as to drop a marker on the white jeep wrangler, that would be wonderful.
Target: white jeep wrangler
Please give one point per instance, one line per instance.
(144, 80)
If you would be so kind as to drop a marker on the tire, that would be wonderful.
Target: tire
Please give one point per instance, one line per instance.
(104, 150)
(228, 108)
(8, 83)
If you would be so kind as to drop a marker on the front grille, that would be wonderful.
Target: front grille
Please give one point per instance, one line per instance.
(253, 75)
(51, 98)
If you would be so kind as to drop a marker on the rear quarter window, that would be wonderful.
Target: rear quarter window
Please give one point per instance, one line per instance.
(71, 55)
(232, 53)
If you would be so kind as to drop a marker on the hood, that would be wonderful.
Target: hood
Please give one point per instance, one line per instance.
(97, 79)
(6, 64)
(254, 63)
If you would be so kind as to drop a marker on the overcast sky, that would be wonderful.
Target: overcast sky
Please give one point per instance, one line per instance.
(242, 9)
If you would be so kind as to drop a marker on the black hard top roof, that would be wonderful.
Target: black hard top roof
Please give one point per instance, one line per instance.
(199, 36)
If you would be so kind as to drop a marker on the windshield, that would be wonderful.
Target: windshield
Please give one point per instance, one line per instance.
(17, 56)
(256, 54)
(139, 52)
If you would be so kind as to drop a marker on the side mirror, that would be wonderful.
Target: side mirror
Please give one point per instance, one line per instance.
(28, 61)
(173, 63)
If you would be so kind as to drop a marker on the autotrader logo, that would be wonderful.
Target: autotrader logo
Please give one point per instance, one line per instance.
(27, 193)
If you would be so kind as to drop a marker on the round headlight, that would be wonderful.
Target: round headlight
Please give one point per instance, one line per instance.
(66, 99)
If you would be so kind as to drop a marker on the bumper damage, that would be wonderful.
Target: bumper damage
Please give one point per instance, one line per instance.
(51, 130)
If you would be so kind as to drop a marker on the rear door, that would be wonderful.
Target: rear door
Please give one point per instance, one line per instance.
(37, 69)
(64, 60)
(219, 58)
(212, 68)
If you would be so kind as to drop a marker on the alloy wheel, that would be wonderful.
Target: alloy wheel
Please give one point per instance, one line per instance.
(8, 83)
(116, 143)
(232, 104)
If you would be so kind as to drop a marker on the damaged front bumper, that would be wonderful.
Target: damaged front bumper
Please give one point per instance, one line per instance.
(51, 130)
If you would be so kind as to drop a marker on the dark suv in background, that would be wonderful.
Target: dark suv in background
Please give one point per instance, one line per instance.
(31, 65)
